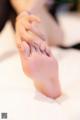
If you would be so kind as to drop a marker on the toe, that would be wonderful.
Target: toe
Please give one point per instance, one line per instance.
(43, 49)
(26, 48)
(33, 49)
(48, 52)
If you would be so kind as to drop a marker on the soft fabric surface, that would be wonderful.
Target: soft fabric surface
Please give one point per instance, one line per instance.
(18, 96)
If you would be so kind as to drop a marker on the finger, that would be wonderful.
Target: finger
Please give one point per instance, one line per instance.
(29, 18)
(34, 27)
(20, 15)
(37, 30)
(26, 25)
(25, 35)
(34, 39)
(32, 18)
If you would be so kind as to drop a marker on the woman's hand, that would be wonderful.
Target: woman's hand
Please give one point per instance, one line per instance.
(37, 61)
(23, 27)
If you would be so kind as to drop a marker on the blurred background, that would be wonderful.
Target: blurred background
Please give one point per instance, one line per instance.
(61, 21)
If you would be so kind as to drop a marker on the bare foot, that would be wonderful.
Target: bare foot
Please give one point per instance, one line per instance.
(42, 67)
(37, 61)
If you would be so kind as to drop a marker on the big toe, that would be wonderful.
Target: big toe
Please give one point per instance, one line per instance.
(26, 48)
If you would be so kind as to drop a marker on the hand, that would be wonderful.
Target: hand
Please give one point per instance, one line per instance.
(27, 28)
(37, 61)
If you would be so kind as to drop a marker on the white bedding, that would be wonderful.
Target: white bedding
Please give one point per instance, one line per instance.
(18, 96)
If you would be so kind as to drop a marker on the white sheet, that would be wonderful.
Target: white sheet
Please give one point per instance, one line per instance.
(19, 98)
(17, 94)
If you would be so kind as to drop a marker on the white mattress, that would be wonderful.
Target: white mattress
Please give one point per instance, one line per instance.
(18, 96)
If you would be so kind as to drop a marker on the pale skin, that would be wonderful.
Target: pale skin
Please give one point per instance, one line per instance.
(37, 60)
(53, 30)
